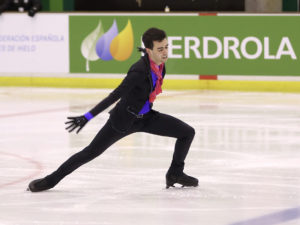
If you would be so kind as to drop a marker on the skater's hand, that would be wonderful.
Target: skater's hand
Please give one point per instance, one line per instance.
(79, 121)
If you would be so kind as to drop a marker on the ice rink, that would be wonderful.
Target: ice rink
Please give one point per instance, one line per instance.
(246, 155)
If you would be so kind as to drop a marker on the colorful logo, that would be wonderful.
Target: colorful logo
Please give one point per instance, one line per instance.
(108, 46)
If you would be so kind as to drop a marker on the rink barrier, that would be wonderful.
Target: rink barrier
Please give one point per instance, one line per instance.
(53, 57)
(169, 84)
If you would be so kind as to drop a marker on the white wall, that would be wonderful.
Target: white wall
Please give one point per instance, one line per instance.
(36, 45)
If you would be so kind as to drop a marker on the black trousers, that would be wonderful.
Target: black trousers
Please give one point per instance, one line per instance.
(153, 123)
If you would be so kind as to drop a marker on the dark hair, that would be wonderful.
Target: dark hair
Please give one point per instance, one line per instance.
(153, 34)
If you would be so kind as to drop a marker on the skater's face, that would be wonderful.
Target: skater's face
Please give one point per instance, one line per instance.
(159, 53)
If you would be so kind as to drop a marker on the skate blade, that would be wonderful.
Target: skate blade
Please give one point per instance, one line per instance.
(182, 186)
(168, 186)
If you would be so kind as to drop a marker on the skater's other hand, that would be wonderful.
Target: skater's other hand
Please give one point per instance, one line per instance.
(76, 122)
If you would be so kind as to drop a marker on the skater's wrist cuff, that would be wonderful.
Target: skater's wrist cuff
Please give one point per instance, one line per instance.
(88, 116)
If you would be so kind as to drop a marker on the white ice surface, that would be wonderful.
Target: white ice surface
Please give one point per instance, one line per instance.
(246, 155)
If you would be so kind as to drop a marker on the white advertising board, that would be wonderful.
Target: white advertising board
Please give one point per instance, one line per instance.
(34, 45)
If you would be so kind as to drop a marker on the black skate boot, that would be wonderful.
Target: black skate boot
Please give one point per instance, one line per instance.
(39, 185)
(183, 179)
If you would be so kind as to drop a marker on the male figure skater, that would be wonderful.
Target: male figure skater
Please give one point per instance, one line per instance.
(133, 113)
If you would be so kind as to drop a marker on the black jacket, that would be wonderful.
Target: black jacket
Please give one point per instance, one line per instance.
(133, 93)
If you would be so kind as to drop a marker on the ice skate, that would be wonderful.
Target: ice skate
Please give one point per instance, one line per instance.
(183, 179)
(39, 185)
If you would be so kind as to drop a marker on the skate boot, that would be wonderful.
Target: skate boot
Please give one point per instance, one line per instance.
(39, 185)
(183, 179)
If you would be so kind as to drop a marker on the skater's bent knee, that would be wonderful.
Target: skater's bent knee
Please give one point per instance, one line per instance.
(191, 133)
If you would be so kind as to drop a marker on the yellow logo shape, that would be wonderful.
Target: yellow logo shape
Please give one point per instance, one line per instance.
(122, 45)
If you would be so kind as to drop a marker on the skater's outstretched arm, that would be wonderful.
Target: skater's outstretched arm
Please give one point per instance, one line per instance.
(133, 78)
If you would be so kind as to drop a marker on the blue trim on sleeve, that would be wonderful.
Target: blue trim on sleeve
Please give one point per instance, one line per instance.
(88, 116)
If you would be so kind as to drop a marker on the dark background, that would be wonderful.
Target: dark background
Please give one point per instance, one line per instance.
(159, 5)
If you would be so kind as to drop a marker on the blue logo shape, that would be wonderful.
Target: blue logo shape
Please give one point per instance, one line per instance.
(103, 44)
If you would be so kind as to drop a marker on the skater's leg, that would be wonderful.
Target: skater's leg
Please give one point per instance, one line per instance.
(104, 139)
(166, 125)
